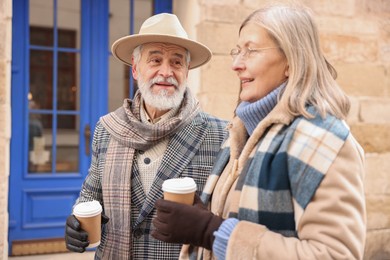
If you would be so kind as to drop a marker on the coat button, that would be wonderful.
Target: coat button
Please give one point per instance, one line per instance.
(141, 152)
(137, 233)
(147, 160)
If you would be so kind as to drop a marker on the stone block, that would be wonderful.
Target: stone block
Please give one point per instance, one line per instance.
(353, 26)
(333, 7)
(3, 150)
(387, 82)
(8, 40)
(3, 42)
(377, 177)
(3, 86)
(6, 10)
(353, 116)
(218, 2)
(255, 4)
(4, 161)
(378, 212)
(346, 48)
(363, 79)
(4, 233)
(378, 6)
(385, 28)
(219, 37)
(375, 110)
(374, 138)
(222, 13)
(5, 121)
(218, 78)
(377, 245)
(218, 105)
(384, 52)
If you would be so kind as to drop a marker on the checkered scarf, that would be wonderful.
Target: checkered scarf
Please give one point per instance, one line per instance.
(130, 134)
(284, 160)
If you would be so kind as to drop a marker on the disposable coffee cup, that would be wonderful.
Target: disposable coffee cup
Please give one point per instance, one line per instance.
(89, 216)
(180, 190)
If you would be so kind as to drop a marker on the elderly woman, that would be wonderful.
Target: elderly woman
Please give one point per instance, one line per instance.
(288, 183)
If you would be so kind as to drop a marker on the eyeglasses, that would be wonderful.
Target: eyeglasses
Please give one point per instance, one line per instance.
(248, 52)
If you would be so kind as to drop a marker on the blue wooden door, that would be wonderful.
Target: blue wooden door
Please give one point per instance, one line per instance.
(60, 88)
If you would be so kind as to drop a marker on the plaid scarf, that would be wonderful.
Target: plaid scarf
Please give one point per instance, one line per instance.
(130, 134)
(284, 160)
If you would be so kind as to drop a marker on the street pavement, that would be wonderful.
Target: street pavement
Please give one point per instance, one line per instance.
(61, 256)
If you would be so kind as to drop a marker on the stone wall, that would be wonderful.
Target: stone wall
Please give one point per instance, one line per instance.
(5, 119)
(355, 35)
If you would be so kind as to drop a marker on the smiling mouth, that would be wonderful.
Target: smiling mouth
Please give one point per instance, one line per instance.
(164, 84)
(246, 81)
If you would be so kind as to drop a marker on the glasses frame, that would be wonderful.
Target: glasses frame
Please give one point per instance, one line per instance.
(235, 52)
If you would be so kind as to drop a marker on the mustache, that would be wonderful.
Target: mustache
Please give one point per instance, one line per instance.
(161, 79)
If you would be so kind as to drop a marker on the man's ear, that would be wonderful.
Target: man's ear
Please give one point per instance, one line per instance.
(134, 69)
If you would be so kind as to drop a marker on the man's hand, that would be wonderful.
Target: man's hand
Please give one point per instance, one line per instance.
(185, 224)
(76, 239)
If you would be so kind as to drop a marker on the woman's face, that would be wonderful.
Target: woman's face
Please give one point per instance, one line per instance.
(260, 71)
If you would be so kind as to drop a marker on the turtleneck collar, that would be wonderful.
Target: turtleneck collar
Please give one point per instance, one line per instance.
(252, 113)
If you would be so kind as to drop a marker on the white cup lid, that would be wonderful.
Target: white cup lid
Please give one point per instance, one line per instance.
(87, 209)
(179, 185)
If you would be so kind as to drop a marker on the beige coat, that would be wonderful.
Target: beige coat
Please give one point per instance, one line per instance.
(333, 225)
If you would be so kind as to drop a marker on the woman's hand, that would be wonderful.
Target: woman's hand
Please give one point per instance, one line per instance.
(185, 224)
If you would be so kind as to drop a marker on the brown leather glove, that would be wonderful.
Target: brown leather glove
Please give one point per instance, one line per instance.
(185, 224)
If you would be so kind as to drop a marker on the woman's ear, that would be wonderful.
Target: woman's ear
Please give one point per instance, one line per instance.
(287, 71)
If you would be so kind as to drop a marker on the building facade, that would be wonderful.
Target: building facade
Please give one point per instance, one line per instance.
(355, 35)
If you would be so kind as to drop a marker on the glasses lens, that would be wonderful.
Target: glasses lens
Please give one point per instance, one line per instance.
(234, 52)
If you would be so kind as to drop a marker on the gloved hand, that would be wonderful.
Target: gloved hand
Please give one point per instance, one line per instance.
(185, 224)
(76, 239)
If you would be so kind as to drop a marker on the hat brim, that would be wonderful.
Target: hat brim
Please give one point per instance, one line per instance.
(123, 48)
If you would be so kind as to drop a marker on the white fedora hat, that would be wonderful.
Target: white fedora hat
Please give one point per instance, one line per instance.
(164, 28)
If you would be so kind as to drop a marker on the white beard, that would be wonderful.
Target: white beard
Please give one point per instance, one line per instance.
(161, 100)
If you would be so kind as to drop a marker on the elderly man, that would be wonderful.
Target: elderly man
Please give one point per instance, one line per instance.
(160, 134)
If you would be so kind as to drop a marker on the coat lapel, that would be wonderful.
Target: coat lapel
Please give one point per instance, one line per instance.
(137, 191)
(180, 151)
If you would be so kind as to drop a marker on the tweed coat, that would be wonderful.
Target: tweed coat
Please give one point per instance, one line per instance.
(191, 152)
(296, 185)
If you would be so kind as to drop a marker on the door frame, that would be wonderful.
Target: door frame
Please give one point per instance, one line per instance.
(94, 81)
(93, 103)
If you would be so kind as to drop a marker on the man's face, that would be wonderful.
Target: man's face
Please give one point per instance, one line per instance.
(162, 75)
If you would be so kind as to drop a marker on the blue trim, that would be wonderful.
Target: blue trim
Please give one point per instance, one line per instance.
(19, 92)
(162, 6)
(85, 82)
(54, 86)
(99, 60)
(131, 79)
(58, 112)
(47, 48)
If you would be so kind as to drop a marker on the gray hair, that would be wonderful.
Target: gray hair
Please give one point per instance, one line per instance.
(311, 77)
